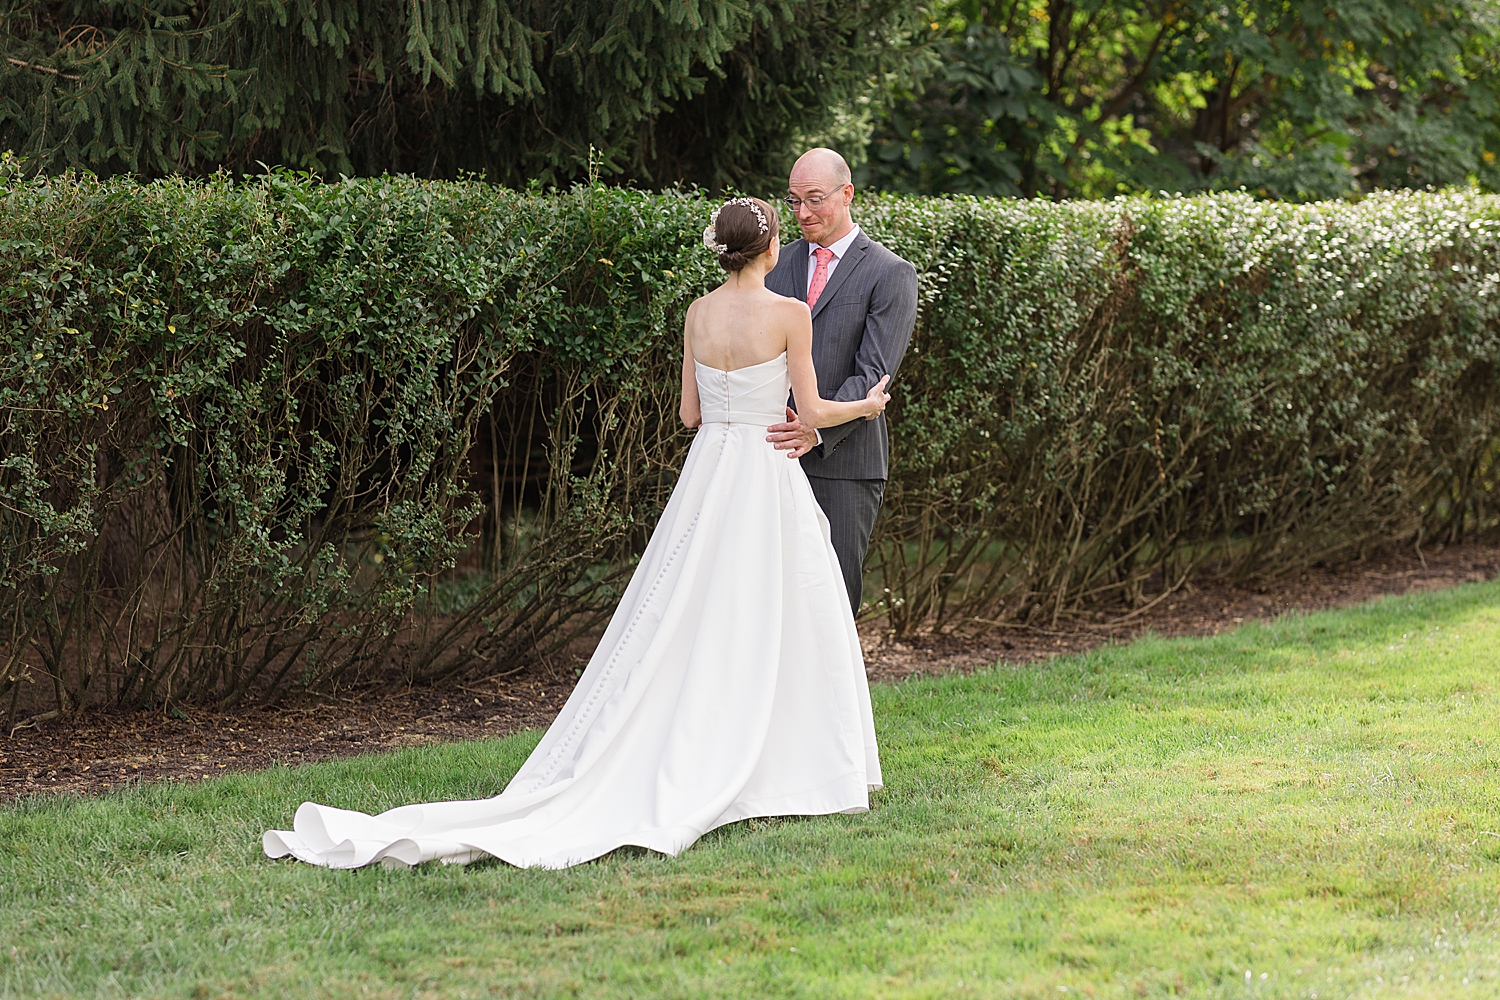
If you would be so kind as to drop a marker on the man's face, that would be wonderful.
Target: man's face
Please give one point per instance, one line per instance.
(823, 214)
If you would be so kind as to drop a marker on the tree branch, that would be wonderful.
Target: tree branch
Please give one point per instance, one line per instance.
(1117, 103)
(40, 69)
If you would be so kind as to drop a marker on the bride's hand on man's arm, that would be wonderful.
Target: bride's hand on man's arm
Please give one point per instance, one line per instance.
(878, 397)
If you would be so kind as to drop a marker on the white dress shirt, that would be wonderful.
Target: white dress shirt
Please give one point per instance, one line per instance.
(839, 248)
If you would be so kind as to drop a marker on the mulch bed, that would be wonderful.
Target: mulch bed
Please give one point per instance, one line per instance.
(102, 750)
(98, 751)
(1200, 610)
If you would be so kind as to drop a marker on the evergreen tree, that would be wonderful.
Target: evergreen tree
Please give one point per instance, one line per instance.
(706, 91)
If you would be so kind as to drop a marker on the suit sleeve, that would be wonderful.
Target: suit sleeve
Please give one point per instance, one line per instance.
(888, 326)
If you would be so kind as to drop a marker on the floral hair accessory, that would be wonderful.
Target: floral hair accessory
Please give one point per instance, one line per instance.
(711, 236)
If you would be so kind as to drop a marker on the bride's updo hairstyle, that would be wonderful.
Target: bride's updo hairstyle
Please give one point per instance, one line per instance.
(741, 230)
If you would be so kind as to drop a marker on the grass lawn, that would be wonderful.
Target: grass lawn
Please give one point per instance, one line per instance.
(1309, 808)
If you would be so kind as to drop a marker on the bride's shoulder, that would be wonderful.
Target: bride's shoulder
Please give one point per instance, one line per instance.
(786, 306)
(698, 304)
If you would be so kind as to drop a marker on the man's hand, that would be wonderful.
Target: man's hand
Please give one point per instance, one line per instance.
(793, 436)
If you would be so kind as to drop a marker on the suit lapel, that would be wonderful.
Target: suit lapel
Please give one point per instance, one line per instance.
(848, 263)
(798, 264)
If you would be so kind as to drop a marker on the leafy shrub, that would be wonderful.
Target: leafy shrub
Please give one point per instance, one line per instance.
(271, 433)
(1104, 396)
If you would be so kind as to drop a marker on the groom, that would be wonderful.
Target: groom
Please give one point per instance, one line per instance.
(864, 303)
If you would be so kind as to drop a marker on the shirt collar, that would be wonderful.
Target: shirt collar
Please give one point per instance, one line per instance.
(840, 246)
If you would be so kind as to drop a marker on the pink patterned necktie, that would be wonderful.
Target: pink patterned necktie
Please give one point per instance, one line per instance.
(820, 275)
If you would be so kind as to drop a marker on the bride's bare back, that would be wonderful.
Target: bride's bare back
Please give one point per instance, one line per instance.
(743, 323)
(736, 327)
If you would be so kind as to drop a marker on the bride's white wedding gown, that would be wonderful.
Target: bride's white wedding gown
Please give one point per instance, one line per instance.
(729, 683)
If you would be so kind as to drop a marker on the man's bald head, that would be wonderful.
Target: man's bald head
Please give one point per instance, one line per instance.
(822, 165)
(822, 189)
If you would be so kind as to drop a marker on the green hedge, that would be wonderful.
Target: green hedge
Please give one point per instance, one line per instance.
(271, 433)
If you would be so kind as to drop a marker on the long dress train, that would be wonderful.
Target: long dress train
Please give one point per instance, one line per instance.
(729, 683)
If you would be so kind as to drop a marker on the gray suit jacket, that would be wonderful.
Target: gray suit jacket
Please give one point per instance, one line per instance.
(861, 326)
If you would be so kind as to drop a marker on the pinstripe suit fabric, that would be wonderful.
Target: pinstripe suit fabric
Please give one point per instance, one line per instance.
(850, 506)
(862, 324)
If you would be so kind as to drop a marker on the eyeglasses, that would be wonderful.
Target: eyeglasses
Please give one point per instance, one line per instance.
(814, 203)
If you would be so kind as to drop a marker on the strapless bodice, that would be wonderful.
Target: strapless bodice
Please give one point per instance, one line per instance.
(756, 394)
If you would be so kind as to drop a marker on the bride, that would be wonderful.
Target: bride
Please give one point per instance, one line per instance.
(729, 683)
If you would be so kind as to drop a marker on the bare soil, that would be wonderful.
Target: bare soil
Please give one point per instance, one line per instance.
(98, 751)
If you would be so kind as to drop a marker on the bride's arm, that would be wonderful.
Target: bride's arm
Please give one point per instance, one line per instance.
(691, 409)
(812, 408)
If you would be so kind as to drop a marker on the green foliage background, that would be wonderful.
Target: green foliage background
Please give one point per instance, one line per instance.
(1292, 99)
(278, 432)
(714, 92)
